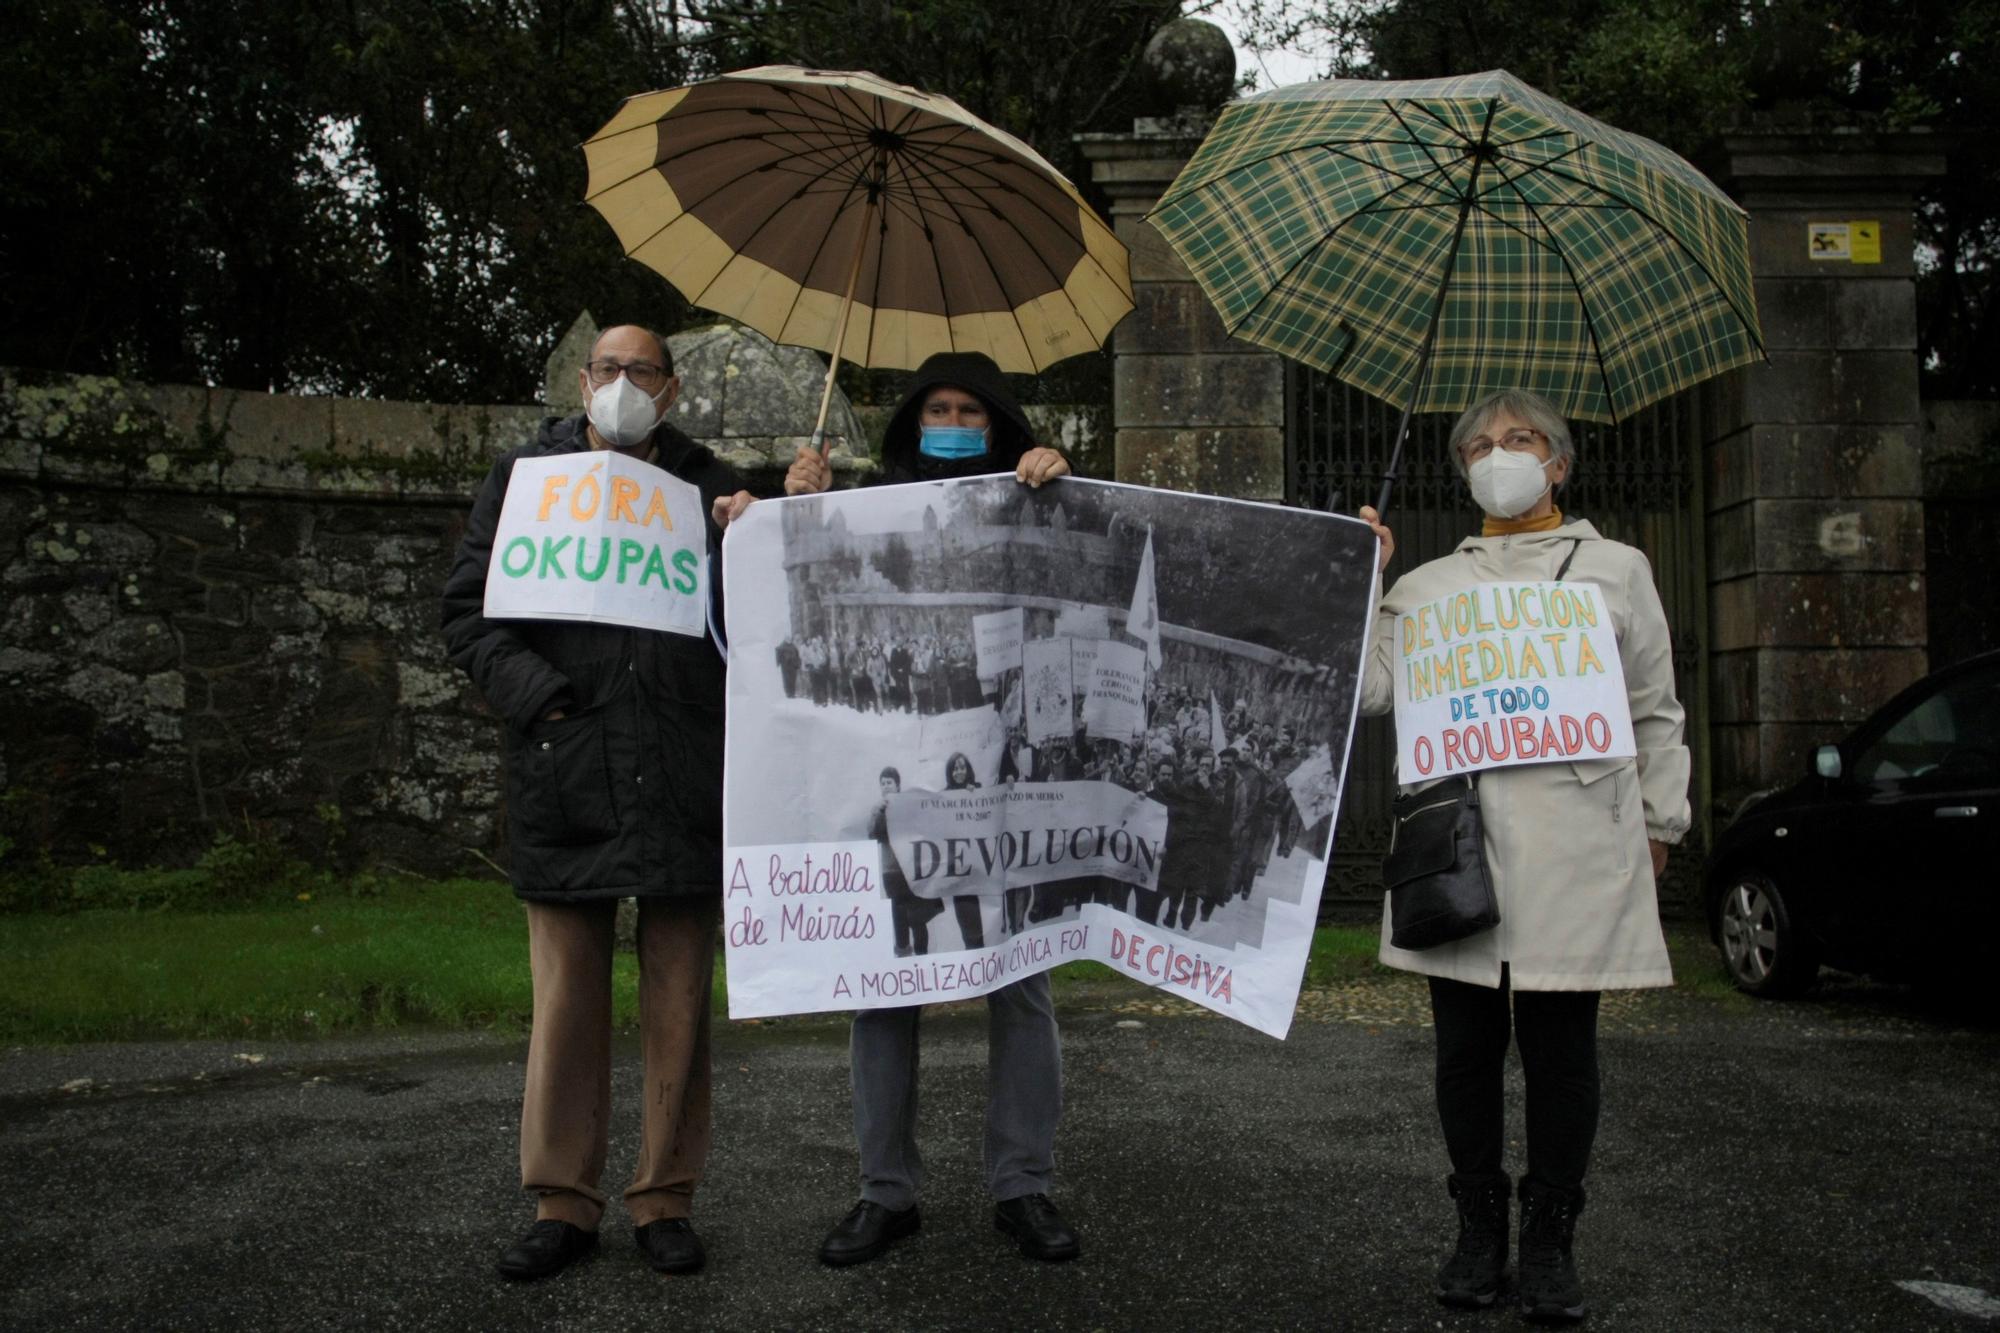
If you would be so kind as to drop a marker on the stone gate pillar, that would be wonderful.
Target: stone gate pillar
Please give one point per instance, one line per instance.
(1194, 409)
(1815, 489)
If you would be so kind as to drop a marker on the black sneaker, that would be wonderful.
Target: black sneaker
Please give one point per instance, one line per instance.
(549, 1247)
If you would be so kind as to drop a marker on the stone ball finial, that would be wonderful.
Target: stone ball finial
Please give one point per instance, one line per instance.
(1190, 63)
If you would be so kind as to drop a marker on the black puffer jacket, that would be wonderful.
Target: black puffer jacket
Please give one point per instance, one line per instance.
(977, 375)
(622, 797)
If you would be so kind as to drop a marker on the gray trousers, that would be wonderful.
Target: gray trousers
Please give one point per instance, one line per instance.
(1023, 1095)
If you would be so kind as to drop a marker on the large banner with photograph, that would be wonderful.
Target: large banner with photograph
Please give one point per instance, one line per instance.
(977, 730)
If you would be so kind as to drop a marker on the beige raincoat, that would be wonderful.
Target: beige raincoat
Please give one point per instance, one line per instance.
(1565, 841)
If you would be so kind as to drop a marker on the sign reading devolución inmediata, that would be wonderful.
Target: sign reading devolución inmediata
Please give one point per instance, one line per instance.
(1508, 673)
(598, 536)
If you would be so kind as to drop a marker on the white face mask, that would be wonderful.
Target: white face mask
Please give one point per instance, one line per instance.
(1506, 485)
(624, 413)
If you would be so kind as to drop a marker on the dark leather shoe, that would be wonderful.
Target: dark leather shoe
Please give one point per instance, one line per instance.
(670, 1245)
(548, 1248)
(1034, 1222)
(865, 1232)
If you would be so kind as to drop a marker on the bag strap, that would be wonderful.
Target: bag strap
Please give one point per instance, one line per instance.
(1575, 542)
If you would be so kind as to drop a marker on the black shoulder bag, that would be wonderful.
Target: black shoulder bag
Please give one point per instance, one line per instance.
(1435, 871)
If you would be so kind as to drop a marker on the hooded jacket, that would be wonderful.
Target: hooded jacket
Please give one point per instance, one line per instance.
(622, 796)
(974, 372)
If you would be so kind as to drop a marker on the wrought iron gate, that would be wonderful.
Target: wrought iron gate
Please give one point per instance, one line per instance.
(1639, 482)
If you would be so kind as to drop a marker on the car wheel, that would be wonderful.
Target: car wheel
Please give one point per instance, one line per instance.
(1760, 946)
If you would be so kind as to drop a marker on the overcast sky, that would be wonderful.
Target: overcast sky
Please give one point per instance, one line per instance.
(1273, 69)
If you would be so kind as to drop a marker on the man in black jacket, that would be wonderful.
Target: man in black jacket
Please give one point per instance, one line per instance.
(614, 790)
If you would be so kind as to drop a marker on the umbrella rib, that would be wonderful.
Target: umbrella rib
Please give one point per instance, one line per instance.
(829, 105)
(1440, 121)
(1582, 305)
(1530, 138)
(916, 162)
(936, 268)
(1246, 164)
(1749, 325)
(1418, 179)
(1315, 248)
(805, 273)
(764, 135)
(1531, 167)
(1442, 169)
(689, 208)
(831, 151)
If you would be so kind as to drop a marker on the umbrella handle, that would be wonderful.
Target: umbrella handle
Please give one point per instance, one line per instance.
(847, 307)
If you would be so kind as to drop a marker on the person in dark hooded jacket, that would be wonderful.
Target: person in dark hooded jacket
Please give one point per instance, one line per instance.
(957, 420)
(613, 742)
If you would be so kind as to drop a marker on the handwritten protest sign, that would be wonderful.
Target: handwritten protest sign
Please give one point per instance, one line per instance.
(601, 537)
(1501, 674)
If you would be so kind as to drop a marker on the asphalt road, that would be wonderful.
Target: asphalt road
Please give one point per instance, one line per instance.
(1760, 1167)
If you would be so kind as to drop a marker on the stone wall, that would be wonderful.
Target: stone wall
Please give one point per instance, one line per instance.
(1815, 513)
(1961, 448)
(222, 607)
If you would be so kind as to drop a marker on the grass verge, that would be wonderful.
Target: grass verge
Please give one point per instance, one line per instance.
(446, 954)
(453, 953)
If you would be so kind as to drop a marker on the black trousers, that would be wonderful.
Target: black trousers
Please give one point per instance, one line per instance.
(1557, 1032)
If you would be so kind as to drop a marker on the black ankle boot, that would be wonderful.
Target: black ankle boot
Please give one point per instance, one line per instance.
(1470, 1278)
(1550, 1292)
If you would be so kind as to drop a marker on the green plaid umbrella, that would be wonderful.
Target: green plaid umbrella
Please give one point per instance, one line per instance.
(1431, 241)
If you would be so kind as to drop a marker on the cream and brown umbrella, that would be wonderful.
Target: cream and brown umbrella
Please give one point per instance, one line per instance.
(869, 220)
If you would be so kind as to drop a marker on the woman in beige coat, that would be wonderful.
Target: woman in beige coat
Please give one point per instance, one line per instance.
(1572, 848)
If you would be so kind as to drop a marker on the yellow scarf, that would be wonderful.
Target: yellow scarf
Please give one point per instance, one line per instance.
(1514, 527)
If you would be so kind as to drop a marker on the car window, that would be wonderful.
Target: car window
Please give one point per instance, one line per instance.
(1949, 739)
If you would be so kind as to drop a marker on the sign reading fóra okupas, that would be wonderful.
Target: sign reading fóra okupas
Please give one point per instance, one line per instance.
(598, 536)
(1500, 674)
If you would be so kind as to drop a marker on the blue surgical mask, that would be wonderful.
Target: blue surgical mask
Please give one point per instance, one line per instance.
(951, 442)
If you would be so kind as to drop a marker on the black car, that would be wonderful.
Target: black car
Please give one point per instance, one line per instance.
(1884, 859)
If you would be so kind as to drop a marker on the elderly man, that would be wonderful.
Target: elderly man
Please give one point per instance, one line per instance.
(614, 790)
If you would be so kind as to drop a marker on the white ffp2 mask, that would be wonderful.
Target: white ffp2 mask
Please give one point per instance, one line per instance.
(623, 412)
(1506, 484)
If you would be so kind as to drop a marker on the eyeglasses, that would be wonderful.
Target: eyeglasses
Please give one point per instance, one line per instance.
(1520, 440)
(643, 374)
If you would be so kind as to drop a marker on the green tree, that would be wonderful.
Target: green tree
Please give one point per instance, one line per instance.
(383, 197)
(1685, 71)
(377, 197)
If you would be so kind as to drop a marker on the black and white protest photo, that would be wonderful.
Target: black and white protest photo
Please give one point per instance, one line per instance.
(1085, 720)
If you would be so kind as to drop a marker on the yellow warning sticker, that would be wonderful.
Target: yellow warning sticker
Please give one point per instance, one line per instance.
(1829, 240)
(1864, 242)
